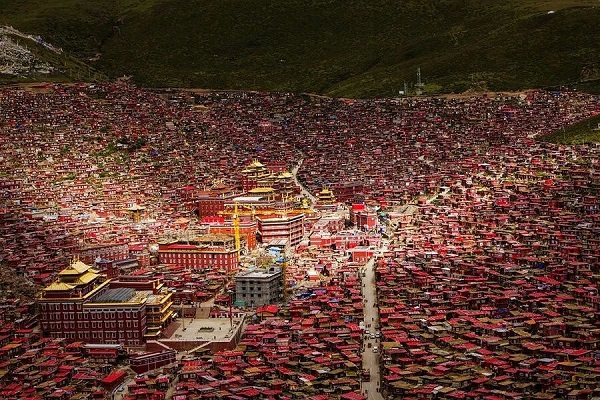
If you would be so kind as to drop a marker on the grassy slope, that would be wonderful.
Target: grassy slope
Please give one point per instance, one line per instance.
(586, 131)
(338, 47)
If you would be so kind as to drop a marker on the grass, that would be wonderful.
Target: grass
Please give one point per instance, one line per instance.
(67, 68)
(343, 48)
(586, 131)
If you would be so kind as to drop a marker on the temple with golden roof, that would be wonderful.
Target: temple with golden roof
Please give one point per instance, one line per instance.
(326, 196)
(258, 176)
(78, 280)
(81, 305)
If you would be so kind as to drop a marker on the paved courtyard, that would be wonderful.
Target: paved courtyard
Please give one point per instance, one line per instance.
(215, 329)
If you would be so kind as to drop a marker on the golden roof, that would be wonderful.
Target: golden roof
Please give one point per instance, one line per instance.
(58, 287)
(262, 190)
(136, 207)
(76, 268)
(256, 164)
(285, 175)
(87, 277)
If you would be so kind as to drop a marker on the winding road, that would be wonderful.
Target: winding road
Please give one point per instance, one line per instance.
(305, 191)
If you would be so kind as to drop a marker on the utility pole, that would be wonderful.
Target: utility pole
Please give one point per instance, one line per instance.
(236, 230)
(230, 292)
(419, 85)
(182, 315)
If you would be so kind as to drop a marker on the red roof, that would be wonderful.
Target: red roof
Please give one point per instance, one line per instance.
(352, 396)
(113, 377)
(269, 308)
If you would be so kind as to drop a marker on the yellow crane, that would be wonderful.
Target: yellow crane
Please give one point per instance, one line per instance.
(238, 210)
(236, 231)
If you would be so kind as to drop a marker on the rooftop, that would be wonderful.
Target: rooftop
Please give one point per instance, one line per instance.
(121, 295)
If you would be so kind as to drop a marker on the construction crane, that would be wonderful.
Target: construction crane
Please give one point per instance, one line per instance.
(269, 211)
(284, 269)
(236, 231)
(237, 210)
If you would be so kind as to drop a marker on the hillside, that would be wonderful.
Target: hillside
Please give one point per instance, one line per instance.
(28, 58)
(336, 47)
(586, 131)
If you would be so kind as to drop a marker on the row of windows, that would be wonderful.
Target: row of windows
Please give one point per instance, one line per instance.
(60, 307)
(113, 324)
(93, 316)
(197, 255)
(94, 325)
(251, 295)
(96, 335)
(112, 315)
(197, 262)
(105, 310)
(57, 327)
(57, 316)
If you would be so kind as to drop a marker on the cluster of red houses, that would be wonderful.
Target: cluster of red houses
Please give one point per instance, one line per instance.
(309, 348)
(489, 288)
(32, 367)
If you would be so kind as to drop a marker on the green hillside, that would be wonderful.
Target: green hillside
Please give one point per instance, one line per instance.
(347, 48)
(586, 131)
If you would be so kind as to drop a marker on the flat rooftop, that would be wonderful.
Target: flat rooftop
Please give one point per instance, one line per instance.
(205, 329)
(122, 296)
(258, 273)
